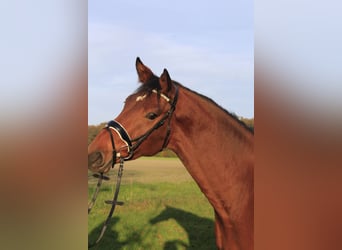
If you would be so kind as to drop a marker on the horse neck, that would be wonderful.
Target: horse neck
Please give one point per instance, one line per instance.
(218, 153)
(211, 144)
(202, 128)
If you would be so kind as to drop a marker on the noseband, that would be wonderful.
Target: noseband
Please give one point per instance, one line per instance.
(133, 144)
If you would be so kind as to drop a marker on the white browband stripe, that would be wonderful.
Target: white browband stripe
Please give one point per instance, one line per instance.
(142, 97)
(162, 95)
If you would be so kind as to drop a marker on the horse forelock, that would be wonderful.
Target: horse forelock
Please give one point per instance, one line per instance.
(147, 88)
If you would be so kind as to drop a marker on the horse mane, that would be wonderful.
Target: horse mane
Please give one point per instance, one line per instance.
(232, 115)
(153, 83)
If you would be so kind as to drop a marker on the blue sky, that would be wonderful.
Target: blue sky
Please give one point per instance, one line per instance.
(41, 48)
(206, 46)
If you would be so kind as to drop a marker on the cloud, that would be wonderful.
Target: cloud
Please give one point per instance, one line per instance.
(206, 67)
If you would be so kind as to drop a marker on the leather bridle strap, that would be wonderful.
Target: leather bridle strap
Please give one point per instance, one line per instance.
(120, 130)
(113, 202)
(101, 177)
(170, 113)
(99, 183)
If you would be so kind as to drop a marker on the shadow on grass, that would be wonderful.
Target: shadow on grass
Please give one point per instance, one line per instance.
(200, 231)
(134, 239)
(109, 239)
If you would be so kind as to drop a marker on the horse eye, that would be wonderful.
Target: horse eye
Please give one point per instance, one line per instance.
(151, 116)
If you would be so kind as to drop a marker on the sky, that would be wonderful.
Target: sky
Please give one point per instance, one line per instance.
(300, 42)
(41, 49)
(208, 46)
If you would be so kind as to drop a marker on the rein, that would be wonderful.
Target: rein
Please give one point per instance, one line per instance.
(112, 202)
(124, 136)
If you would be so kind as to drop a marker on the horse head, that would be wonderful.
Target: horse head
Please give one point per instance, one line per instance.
(143, 126)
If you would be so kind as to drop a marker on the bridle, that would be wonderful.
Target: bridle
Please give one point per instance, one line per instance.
(132, 145)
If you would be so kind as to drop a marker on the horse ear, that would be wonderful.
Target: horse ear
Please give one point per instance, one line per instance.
(144, 73)
(165, 81)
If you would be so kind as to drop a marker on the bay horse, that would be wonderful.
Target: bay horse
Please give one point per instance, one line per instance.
(216, 148)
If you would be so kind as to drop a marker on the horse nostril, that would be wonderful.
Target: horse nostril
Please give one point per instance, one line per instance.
(95, 159)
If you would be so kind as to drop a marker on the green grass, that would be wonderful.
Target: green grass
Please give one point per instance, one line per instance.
(164, 209)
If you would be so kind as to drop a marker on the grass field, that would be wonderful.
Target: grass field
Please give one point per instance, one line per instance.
(164, 209)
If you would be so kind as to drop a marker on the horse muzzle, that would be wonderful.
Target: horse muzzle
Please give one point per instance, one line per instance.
(96, 162)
